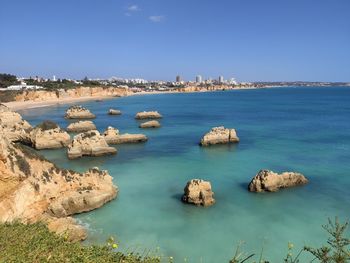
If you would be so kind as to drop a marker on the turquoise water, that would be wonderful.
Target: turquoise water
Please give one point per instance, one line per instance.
(283, 129)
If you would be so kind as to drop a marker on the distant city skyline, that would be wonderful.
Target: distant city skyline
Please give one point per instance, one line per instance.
(251, 40)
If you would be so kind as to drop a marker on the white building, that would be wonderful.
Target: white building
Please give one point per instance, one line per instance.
(199, 79)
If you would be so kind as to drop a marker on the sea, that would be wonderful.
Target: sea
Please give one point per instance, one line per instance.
(299, 129)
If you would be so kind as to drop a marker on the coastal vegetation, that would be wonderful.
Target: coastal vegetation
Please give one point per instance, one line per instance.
(7, 80)
(35, 243)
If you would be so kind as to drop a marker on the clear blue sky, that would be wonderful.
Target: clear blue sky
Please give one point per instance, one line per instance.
(251, 40)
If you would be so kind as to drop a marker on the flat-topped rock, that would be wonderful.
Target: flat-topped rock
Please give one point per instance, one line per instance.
(268, 181)
(198, 192)
(113, 136)
(148, 115)
(78, 112)
(48, 135)
(90, 143)
(114, 112)
(150, 124)
(219, 135)
(81, 126)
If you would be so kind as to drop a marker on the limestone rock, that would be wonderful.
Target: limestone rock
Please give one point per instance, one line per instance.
(90, 143)
(48, 135)
(198, 192)
(148, 115)
(113, 136)
(114, 112)
(81, 126)
(78, 112)
(67, 227)
(150, 124)
(268, 181)
(219, 135)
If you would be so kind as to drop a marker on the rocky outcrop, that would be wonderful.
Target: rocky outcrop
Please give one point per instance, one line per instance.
(148, 115)
(33, 189)
(114, 112)
(150, 124)
(112, 136)
(219, 135)
(268, 181)
(78, 112)
(48, 135)
(90, 143)
(81, 126)
(198, 192)
(14, 127)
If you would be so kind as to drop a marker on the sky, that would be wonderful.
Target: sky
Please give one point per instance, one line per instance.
(251, 40)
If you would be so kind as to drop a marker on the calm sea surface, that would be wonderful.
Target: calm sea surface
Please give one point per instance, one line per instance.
(283, 129)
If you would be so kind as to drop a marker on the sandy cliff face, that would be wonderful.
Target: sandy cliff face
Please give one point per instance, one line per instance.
(34, 189)
(43, 95)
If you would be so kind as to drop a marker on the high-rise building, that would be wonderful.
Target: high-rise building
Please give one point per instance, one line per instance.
(199, 79)
(221, 79)
(178, 78)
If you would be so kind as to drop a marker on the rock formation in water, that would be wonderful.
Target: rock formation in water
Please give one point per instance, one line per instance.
(112, 136)
(268, 181)
(114, 112)
(90, 143)
(219, 135)
(150, 124)
(148, 115)
(81, 126)
(48, 135)
(33, 189)
(78, 112)
(198, 192)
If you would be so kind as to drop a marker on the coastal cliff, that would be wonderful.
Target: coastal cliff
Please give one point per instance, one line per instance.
(44, 95)
(33, 189)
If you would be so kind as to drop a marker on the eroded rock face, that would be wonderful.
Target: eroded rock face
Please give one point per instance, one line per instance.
(90, 143)
(198, 192)
(268, 181)
(81, 126)
(33, 189)
(150, 124)
(219, 135)
(114, 112)
(148, 115)
(113, 136)
(14, 127)
(48, 135)
(78, 112)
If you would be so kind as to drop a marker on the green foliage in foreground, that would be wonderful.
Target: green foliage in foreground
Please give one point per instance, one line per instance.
(35, 243)
(336, 251)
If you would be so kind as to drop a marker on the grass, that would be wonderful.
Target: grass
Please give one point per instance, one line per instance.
(35, 243)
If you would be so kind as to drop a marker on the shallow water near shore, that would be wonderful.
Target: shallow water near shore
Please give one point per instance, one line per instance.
(283, 129)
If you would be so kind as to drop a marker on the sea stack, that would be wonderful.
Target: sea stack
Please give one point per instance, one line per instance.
(90, 143)
(81, 126)
(78, 112)
(148, 115)
(114, 112)
(198, 192)
(48, 135)
(112, 136)
(268, 181)
(219, 135)
(150, 124)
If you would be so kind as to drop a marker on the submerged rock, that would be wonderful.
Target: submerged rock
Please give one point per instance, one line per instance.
(268, 181)
(112, 136)
(219, 135)
(78, 112)
(198, 192)
(90, 143)
(150, 124)
(148, 115)
(114, 112)
(48, 135)
(81, 126)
